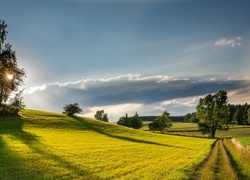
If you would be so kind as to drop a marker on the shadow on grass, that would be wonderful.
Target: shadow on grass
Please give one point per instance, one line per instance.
(15, 166)
(100, 130)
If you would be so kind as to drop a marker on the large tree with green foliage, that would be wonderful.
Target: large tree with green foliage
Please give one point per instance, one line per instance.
(213, 113)
(72, 109)
(101, 115)
(11, 76)
(161, 123)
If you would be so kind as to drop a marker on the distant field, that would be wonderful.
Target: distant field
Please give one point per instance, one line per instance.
(191, 129)
(43, 145)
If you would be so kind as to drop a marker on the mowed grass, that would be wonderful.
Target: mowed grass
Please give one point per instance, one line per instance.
(44, 145)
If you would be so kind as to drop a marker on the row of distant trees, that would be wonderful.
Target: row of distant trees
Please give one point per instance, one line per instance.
(161, 123)
(239, 114)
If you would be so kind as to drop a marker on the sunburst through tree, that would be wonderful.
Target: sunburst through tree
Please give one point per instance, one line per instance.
(11, 76)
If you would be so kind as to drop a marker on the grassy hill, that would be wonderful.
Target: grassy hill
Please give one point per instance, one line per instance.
(44, 145)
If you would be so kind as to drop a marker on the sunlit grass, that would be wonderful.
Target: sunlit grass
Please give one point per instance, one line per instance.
(241, 159)
(244, 141)
(218, 165)
(43, 145)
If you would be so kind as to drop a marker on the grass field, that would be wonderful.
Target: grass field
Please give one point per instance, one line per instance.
(191, 129)
(43, 145)
(244, 141)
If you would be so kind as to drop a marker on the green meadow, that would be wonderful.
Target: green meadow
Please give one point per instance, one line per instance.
(191, 129)
(44, 145)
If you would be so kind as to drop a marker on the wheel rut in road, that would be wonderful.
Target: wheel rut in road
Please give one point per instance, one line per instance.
(218, 165)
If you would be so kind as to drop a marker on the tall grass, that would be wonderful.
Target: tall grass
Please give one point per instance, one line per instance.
(241, 159)
(244, 141)
(43, 145)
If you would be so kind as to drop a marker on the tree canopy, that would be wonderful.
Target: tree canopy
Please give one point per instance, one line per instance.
(72, 109)
(132, 121)
(101, 115)
(11, 76)
(161, 123)
(213, 113)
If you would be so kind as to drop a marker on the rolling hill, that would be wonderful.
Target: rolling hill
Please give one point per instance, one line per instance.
(45, 145)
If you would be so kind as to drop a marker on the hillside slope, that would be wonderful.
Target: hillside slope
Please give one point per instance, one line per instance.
(44, 145)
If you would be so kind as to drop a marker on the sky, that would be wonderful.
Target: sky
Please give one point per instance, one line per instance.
(127, 56)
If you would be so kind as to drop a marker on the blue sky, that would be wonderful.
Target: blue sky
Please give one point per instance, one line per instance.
(130, 55)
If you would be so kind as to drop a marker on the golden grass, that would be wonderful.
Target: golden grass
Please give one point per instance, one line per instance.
(241, 159)
(43, 145)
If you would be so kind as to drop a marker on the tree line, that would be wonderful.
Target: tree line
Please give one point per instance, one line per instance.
(239, 114)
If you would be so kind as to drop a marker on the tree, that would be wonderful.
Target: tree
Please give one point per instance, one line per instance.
(191, 118)
(124, 121)
(135, 122)
(132, 121)
(11, 76)
(213, 113)
(248, 116)
(72, 109)
(161, 123)
(237, 117)
(100, 115)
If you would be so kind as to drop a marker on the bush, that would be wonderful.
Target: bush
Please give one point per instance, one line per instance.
(8, 110)
(14, 106)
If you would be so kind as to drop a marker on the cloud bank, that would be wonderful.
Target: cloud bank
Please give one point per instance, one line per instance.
(148, 95)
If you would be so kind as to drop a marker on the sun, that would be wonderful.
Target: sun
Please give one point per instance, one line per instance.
(9, 76)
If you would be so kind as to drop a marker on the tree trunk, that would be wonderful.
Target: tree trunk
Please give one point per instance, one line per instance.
(212, 133)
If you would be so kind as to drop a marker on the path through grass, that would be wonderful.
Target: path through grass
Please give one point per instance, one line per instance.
(228, 161)
(218, 165)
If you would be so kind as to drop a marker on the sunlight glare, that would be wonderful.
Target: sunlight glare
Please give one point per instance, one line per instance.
(9, 76)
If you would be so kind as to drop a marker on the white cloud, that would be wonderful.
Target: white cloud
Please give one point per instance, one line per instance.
(233, 42)
(36, 88)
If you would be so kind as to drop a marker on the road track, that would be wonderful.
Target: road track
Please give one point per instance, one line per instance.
(219, 164)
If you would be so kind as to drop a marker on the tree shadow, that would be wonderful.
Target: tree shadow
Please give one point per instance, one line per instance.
(10, 160)
(100, 130)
